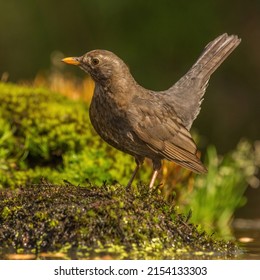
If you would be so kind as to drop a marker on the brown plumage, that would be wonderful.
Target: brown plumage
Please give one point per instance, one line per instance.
(146, 123)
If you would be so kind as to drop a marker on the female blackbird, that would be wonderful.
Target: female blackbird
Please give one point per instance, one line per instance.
(145, 123)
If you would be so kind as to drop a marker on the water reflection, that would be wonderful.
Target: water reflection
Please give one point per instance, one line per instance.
(247, 233)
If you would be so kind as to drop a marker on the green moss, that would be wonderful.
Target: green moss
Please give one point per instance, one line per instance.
(43, 134)
(89, 222)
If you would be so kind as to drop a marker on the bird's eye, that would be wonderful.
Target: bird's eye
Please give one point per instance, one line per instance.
(95, 61)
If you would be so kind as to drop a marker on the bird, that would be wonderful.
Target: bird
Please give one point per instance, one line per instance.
(146, 123)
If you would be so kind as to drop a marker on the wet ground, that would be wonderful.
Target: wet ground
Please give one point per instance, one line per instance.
(247, 233)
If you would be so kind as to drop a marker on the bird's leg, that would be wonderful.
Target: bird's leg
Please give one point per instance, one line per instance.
(133, 176)
(156, 167)
(139, 161)
(155, 173)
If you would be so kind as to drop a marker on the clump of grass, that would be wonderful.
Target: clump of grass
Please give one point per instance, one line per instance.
(215, 196)
(92, 221)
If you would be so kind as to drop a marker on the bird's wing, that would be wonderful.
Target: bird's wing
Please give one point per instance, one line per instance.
(163, 132)
(187, 94)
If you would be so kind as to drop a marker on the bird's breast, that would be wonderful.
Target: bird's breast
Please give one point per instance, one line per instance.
(109, 119)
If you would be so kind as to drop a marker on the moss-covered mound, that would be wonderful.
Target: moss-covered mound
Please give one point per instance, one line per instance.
(91, 221)
(44, 134)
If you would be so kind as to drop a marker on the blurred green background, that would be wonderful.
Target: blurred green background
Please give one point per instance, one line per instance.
(159, 40)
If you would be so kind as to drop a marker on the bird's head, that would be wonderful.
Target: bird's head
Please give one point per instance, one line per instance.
(102, 65)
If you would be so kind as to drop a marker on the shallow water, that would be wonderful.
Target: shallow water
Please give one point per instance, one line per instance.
(247, 233)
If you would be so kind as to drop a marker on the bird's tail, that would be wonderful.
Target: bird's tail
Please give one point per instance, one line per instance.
(187, 94)
(213, 55)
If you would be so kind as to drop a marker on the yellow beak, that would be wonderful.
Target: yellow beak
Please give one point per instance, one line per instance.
(71, 60)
